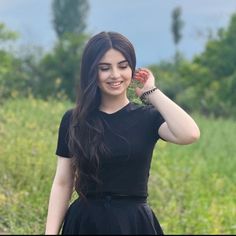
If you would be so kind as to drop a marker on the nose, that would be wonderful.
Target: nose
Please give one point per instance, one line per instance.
(115, 73)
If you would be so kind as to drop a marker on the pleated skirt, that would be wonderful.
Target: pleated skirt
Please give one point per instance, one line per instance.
(110, 216)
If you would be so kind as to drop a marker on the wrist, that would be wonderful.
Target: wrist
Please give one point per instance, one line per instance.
(145, 95)
(154, 96)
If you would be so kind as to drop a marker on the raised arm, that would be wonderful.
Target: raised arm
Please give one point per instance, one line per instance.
(179, 128)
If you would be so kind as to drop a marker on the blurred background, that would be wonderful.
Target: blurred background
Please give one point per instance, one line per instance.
(191, 48)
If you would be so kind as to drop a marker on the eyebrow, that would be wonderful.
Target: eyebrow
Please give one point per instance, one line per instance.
(105, 63)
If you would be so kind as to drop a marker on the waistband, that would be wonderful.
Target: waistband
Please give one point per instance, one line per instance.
(115, 196)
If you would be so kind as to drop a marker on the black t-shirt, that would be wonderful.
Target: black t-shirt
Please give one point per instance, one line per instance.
(130, 134)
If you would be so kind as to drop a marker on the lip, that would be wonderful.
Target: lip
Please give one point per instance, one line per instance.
(115, 84)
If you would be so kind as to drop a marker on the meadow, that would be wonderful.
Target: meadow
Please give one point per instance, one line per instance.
(191, 190)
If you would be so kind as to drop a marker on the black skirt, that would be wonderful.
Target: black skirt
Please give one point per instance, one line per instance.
(111, 216)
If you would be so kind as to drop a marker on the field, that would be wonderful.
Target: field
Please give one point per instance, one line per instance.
(192, 188)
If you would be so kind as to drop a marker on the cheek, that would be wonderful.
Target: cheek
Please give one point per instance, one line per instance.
(128, 75)
(101, 78)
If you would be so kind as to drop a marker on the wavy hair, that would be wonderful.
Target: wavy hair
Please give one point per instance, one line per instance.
(86, 130)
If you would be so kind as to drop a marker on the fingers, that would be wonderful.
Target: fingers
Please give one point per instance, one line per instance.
(141, 75)
(138, 91)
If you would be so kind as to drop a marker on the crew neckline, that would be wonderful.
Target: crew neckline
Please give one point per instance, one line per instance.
(116, 112)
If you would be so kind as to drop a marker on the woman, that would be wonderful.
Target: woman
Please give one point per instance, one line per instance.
(105, 144)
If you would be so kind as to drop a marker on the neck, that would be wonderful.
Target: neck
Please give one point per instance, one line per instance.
(110, 105)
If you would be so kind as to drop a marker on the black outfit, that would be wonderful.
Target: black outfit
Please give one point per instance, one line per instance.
(120, 207)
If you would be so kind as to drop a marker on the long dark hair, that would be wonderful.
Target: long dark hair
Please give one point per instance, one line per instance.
(86, 131)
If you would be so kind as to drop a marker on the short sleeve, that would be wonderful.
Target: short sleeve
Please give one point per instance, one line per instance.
(62, 148)
(156, 120)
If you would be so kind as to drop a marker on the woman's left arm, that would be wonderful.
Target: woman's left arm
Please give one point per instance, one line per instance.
(179, 127)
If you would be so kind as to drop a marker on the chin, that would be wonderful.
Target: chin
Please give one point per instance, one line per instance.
(114, 93)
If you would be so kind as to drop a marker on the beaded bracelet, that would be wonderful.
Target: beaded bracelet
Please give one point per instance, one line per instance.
(143, 97)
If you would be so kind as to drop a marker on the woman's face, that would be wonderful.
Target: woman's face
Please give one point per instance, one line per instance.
(114, 74)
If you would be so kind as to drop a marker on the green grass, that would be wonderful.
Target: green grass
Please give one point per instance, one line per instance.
(192, 188)
(28, 132)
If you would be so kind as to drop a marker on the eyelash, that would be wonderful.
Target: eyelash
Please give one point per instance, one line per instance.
(104, 69)
(123, 66)
(107, 68)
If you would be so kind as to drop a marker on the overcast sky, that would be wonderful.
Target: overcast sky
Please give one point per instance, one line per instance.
(145, 22)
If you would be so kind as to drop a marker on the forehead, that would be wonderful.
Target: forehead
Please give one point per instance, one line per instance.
(112, 56)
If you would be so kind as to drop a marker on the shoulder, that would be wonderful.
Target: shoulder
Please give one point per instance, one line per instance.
(135, 106)
(143, 109)
(68, 113)
(148, 113)
(67, 117)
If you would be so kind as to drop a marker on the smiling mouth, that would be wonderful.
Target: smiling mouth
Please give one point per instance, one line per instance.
(115, 84)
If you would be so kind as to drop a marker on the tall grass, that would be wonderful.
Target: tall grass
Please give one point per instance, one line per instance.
(28, 132)
(191, 189)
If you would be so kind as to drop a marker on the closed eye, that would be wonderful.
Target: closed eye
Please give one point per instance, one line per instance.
(104, 68)
(124, 65)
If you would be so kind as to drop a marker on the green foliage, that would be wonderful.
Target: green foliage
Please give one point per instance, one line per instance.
(54, 74)
(34, 73)
(132, 96)
(166, 78)
(191, 188)
(194, 80)
(220, 53)
(219, 58)
(207, 84)
(6, 34)
(58, 71)
(12, 82)
(69, 16)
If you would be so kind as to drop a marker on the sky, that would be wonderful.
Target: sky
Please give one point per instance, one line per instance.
(146, 23)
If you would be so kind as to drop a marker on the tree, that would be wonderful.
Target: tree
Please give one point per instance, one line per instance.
(59, 70)
(6, 34)
(177, 24)
(176, 28)
(69, 16)
(57, 73)
(207, 84)
(11, 82)
(219, 58)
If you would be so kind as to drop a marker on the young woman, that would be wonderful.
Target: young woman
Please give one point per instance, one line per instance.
(105, 144)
